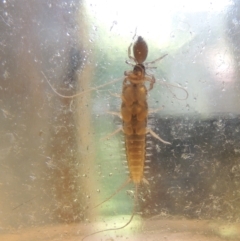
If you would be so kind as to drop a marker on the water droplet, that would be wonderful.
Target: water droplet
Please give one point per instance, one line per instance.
(94, 28)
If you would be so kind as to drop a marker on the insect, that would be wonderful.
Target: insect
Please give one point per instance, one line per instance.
(134, 111)
(134, 114)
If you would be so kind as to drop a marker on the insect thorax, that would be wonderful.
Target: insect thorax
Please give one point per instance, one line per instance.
(139, 70)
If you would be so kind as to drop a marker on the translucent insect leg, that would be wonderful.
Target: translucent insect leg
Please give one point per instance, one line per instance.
(129, 53)
(114, 113)
(127, 62)
(114, 94)
(155, 110)
(155, 135)
(111, 134)
(151, 79)
(156, 60)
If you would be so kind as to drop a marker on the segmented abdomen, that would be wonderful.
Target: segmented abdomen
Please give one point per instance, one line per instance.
(134, 112)
(135, 151)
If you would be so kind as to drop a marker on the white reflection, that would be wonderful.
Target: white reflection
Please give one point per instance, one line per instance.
(127, 15)
(222, 66)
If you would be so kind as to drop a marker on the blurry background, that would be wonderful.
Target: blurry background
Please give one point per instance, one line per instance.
(53, 163)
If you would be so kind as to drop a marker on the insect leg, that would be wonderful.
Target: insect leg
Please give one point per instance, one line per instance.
(114, 94)
(116, 131)
(151, 79)
(156, 60)
(114, 113)
(127, 62)
(129, 54)
(111, 134)
(151, 111)
(155, 135)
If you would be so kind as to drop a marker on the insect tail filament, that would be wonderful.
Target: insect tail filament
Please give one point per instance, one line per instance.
(129, 221)
(113, 194)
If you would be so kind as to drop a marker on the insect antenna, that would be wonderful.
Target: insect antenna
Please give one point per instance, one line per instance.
(175, 86)
(80, 93)
(126, 224)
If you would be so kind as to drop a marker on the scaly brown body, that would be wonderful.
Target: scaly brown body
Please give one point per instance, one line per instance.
(134, 111)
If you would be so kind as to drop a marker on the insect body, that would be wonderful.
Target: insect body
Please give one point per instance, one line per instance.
(134, 114)
(134, 111)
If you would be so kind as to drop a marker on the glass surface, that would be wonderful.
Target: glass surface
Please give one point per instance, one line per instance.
(57, 159)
